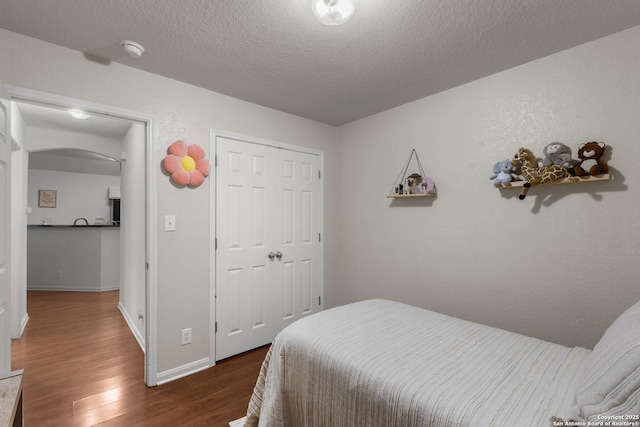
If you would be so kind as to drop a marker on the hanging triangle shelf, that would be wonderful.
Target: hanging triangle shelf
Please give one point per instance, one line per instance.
(416, 184)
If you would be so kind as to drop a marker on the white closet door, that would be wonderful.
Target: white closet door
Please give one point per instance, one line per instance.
(297, 225)
(268, 257)
(245, 196)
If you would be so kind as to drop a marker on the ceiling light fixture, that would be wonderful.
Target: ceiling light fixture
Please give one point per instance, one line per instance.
(333, 12)
(79, 114)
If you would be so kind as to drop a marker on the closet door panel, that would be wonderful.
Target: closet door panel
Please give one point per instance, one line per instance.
(298, 278)
(243, 228)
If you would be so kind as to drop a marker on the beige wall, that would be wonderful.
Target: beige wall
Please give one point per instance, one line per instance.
(560, 265)
(184, 112)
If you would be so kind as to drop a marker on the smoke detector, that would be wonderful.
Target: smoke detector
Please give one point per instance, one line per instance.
(132, 49)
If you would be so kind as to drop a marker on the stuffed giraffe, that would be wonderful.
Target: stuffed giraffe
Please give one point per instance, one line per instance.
(534, 175)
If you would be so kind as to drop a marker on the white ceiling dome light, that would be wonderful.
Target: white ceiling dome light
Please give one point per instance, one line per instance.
(78, 114)
(132, 49)
(333, 12)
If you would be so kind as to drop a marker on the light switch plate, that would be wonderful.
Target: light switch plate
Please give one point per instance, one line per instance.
(169, 223)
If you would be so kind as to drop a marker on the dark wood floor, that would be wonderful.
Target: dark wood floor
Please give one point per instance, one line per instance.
(83, 367)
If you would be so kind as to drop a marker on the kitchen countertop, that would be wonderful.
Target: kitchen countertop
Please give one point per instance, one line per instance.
(72, 226)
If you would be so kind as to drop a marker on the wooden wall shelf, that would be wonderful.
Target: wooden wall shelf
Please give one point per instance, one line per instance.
(588, 178)
(412, 182)
(407, 196)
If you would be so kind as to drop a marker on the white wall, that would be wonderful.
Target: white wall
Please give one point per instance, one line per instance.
(181, 111)
(560, 265)
(79, 195)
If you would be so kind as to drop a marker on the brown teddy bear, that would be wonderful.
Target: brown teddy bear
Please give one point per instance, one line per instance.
(590, 164)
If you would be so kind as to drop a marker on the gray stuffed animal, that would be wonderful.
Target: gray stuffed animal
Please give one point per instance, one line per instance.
(557, 153)
(502, 173)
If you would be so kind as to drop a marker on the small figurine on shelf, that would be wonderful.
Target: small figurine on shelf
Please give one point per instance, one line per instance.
(413, 181)
(502, 173)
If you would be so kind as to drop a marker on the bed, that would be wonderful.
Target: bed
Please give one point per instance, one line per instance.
(383, 363)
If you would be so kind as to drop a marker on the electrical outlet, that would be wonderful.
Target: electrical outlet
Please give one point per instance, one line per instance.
(58, 274)
(186, 336)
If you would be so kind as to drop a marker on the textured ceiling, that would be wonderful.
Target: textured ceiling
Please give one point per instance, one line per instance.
(274, 53)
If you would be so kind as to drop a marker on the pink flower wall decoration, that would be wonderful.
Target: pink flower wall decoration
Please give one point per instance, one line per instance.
(186, 164)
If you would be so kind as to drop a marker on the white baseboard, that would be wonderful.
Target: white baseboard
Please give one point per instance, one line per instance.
(182, 371)
(23, 324)
(132, 326)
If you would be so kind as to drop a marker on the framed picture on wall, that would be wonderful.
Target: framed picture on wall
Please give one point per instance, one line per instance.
(47, 198)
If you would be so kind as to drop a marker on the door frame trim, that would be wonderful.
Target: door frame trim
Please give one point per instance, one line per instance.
(213, 199)
(151, 300)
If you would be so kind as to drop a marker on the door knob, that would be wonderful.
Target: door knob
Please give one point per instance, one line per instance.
(271, 255)
(279, 255)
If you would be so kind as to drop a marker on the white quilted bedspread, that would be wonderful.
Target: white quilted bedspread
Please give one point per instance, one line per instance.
(381, 363)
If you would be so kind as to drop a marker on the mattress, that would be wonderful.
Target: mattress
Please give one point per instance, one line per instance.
(384, 363)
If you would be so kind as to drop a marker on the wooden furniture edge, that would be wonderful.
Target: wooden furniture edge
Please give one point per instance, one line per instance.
(11, 402)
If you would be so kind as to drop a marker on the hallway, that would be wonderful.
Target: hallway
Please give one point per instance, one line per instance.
(83, 367)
